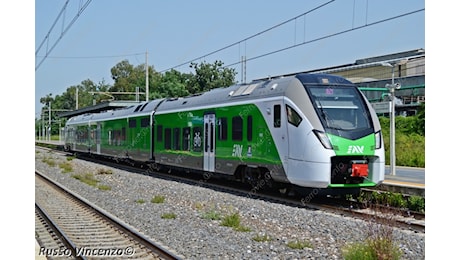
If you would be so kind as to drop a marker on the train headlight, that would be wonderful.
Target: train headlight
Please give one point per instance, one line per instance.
(323, 139)
(378, 140)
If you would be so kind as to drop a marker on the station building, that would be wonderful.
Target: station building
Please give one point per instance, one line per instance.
(373, 74)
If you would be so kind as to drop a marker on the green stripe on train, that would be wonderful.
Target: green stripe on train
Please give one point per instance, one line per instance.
(239, 144)
(345, 147)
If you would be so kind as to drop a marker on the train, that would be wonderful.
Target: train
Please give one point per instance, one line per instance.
(315, 131)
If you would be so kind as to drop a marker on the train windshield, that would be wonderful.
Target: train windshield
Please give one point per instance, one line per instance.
(340, 108)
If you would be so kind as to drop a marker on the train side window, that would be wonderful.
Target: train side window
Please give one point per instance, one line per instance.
(292, 116)
(145, 122)
(197, 139)
(132, 123)
(277, 116)
(237, 128)
(159, 133)
(249, 127)
(222, 128)
(123, 134)
(176, 138)
(186, 138)
(167, 138)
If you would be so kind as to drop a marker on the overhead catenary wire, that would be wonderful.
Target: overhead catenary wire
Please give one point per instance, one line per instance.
(63, 31)
(248, 38)
(326, 36)
(246, 59)
(96, 57)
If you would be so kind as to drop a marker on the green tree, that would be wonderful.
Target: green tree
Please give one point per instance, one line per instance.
(420, 116)
(172, 84)
(127, 77)
(209, 76)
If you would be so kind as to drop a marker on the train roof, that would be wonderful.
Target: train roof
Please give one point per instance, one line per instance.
(254, 90)
(139, 109)
(232, 94)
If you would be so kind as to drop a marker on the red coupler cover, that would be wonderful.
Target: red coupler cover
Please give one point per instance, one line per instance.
(359, 170)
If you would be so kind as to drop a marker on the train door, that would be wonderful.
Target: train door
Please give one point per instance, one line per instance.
(98, 138)
(152, 136)
(209, 155)
(279, 131)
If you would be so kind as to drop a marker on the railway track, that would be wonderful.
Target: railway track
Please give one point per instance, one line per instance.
(69, 226)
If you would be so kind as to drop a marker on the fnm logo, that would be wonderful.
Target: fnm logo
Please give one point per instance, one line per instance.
(355, 149)
(237, 150)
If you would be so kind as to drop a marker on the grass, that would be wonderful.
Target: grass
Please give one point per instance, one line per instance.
(104, 187)
(371, 249)
(234, 222)
(397, 200)
(211, 215)
(49, 161)
(168, 216)
(262, 238)
(66, 167)
(89, 179)
(70, 158)
(198, 205)
(158, 199)
(140, 201)
(379, 242)
(299, 244)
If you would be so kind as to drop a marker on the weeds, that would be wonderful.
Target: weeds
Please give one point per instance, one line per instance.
(234, 222)
(87, 178)
(168, 216)
(158, 199)
(104, 187)
(416, 203)
(262, 238)
(299, 244)
(66, 167)
(70, 158)
(49, 161)
(397, 200)
(212, 215)
(379, 242)
(198, 206)
(140, 201)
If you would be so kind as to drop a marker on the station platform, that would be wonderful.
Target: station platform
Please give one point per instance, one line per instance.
(404, 187)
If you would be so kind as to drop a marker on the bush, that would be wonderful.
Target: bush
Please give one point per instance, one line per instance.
(409, 140)
(371, 249)
(416, 203)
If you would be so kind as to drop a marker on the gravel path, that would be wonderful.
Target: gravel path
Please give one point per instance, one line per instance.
(195, 235)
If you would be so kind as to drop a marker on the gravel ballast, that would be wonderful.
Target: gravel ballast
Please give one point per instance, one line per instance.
(194, 234)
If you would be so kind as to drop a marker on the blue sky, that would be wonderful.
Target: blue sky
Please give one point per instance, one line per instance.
(174, 32)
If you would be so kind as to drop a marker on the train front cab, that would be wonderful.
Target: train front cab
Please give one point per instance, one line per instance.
(338, 142)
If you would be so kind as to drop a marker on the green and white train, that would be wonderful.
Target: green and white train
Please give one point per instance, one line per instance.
(307, 130)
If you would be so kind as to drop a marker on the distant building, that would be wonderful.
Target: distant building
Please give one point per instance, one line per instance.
(372, 74)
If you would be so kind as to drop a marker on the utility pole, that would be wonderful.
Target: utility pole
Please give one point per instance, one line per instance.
(392, 87)
(243, 69)
(146, 77)
(49, 121)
